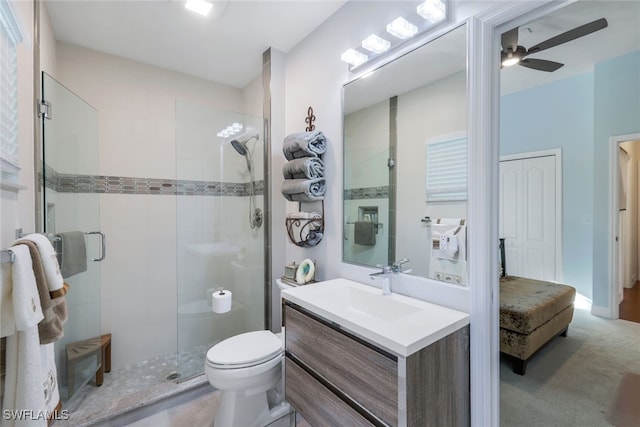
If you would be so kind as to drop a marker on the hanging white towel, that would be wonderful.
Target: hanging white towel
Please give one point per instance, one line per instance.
(49, 261)
(23, 389)
(20, 307)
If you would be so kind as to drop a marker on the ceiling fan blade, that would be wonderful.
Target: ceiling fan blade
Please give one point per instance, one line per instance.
(567, 36)
(540, 64)
(510, 40)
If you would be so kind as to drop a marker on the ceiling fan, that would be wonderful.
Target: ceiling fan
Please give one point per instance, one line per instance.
(513, 54)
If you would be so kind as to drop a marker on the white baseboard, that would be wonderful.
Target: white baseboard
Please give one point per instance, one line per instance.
(600, 311)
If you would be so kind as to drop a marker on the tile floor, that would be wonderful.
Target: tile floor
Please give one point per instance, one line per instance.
(125, 389)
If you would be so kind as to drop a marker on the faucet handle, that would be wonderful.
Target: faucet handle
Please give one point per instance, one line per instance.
(384, 270)
(397, 266)
(400, 263)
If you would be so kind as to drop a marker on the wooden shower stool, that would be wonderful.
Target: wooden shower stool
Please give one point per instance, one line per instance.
(81, 350)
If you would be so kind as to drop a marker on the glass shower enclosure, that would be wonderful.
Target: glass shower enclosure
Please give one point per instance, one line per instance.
(220, 240)
(70, 165)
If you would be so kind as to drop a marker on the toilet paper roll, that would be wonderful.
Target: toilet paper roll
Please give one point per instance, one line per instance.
(221, 301)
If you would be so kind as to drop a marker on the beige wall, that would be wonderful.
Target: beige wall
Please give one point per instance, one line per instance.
(136, 106)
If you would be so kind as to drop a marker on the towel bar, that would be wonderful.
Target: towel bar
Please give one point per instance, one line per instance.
(377, 225)
(6, 256)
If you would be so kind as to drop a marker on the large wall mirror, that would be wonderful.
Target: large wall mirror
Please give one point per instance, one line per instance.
(405, 162)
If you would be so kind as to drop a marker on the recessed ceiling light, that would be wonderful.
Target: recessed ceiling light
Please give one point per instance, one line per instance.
(376, 44)
(199, 6)
(401, 28)
(354, 57)
(432, 10)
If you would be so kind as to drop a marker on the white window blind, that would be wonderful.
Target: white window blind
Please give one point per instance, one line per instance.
(447, 170)
(10, 36)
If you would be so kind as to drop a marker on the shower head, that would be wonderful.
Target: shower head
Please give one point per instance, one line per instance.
(239, 143)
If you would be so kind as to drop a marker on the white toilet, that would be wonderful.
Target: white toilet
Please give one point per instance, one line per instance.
(248, 370)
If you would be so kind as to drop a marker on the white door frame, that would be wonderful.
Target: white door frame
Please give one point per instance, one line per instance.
(614, 223)
(557, 153)
(483, 186)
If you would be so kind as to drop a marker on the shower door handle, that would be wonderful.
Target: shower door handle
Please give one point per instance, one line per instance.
(103, 245)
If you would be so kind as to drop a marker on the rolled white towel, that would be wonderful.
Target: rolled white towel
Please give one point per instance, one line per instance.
(303, 190)
(304, 144)
(303, 168)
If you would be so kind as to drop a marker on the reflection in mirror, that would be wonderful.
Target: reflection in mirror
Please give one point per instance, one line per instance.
(405, 160)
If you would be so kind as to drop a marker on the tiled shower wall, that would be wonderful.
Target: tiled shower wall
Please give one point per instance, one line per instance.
(137, 183)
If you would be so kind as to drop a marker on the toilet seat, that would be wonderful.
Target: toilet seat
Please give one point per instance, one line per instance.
(245, 350)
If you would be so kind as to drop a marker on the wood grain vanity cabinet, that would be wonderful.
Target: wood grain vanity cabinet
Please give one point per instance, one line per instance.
(334, 378)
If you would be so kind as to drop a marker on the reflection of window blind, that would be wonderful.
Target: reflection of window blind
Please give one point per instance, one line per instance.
(10, 36)
(447, 170)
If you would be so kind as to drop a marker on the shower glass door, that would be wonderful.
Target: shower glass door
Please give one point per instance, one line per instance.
(71, 203)
(219, 188)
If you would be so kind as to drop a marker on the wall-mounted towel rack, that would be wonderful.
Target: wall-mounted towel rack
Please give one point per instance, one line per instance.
(6, 256)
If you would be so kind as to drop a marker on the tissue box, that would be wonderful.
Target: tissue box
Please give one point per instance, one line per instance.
(290, 271)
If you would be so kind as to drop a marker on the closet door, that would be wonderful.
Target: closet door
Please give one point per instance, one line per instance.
(528, 216)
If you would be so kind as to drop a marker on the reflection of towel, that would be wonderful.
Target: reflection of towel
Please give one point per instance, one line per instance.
(74, 253)
(364, 233)
(306, 168)
(304, 144)
(449, 242)
(305, 231)
(23, 382)
(54, 308)
(303, 190)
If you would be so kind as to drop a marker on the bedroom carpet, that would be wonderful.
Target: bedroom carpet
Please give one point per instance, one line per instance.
(571, 381)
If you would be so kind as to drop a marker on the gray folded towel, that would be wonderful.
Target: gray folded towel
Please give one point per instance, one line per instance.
(74, 253)
(304, 144)
(303, 190)
(364, 233)
(303, 168)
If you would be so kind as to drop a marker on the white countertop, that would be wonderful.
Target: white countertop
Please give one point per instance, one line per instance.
(396, 323)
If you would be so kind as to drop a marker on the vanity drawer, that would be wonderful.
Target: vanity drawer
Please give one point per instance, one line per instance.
(316, 403)
(363, 373)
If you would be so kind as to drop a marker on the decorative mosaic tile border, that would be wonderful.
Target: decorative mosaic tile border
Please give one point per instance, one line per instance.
(71, 183)
(367, 193)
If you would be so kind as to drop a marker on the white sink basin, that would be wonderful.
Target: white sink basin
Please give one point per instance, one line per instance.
(399, 324)
(362, 302)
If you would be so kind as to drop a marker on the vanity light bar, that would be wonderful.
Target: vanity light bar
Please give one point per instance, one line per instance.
(432, 10)
(401, 28)
(376, 44)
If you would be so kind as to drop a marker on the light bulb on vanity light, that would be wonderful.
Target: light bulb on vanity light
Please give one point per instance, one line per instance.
(401, 28)
(376, 44)
(432, 10)
(353, 57)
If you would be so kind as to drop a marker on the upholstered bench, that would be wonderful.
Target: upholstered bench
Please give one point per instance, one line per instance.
(532, 312)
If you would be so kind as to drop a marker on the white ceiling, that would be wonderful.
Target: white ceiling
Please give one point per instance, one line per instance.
(226, 49)
(620, 37)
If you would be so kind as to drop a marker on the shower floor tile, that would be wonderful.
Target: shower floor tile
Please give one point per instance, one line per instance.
(125, 389)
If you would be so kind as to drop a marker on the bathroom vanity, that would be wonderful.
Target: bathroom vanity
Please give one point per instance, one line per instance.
(355, 357)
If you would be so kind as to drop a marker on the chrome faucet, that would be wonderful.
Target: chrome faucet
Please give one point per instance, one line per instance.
(386, 273)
